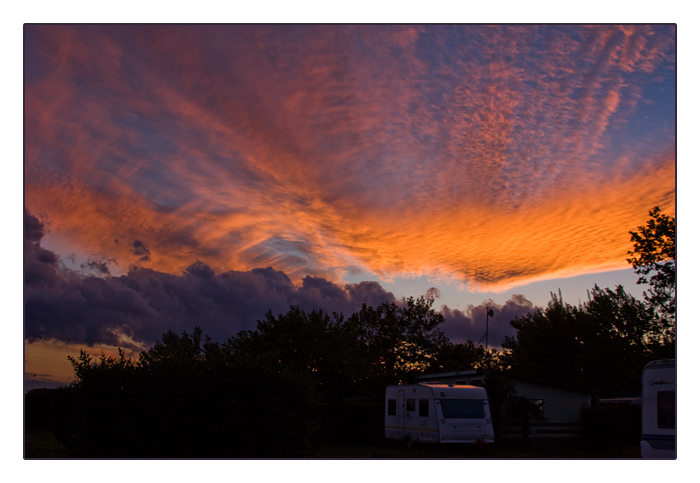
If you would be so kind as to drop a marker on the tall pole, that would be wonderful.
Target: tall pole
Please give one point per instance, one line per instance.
(487, 329)
(489, 312)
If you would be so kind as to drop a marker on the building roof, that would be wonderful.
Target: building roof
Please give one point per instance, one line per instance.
(466, 372)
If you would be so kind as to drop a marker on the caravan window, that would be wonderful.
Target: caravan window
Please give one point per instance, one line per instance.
(392, 407)
(423, 408)
(666, 409)
(411, 405)
(462, 408)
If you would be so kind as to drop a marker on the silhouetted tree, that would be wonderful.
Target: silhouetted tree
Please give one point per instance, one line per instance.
(395, 343)
(175, 352)
(639, 334)
(546, 343)
(105, 372)
(104, 390)
(457, 357)
(348, 361)
(654, 253)
(357, 356)
(189, 397)
(314, 344)
(600, 346)
(262, 393)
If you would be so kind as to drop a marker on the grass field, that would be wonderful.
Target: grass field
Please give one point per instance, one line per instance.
(39, 443)
(42, 444)
(540, 450)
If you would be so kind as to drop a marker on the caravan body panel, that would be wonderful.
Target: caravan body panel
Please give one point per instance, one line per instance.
(659, 410)
(437, 413)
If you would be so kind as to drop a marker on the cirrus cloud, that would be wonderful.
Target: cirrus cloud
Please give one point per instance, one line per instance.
(499, 155)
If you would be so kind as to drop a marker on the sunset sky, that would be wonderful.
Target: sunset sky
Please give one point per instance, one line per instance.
(184, 175)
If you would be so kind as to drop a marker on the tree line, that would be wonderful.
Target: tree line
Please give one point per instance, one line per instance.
(302, 378)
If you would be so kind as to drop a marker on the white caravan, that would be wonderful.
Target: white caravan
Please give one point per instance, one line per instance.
(437, 413)
(659, 409)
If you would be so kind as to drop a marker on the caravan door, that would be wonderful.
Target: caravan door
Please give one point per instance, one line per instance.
(401, 411)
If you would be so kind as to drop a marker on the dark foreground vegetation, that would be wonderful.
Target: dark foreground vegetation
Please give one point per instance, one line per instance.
(42, 444)
(311, 385)
(54, 430)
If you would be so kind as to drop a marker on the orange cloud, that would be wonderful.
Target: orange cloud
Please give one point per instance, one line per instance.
(571, 231)
(484, 153)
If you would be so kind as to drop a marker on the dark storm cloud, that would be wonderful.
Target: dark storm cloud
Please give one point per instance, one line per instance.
(137, 308)
(40, 265)
(471, 324)
(133, 310)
